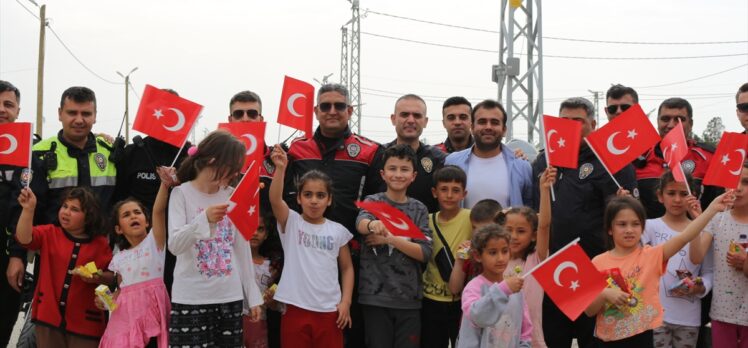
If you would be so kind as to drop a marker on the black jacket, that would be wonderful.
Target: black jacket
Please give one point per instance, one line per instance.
(428, 160)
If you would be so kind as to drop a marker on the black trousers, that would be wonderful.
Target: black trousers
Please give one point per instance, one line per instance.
(642, 340)
(10, 302)
(440, 323)
(559, 330)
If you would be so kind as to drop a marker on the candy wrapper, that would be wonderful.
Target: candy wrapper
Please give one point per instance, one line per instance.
(615, 279)
(88, 270)
(105, 295)
(734, 247)
(517, 270)
(686, 281)
(463, 253)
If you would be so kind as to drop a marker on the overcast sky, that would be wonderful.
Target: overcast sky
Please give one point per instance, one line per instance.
(209, 50)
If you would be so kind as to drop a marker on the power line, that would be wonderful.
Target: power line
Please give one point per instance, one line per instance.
(554, 56)
(556, 37)
(78, 60)
(694, 79)
(27, 9)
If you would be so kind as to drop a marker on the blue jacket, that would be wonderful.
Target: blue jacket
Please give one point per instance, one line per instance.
(520, 174)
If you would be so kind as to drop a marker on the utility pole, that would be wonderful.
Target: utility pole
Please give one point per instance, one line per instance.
(40, 71)
(344, 56)
(355, 67)
(325, 79)
(127, 102)
(596, 102)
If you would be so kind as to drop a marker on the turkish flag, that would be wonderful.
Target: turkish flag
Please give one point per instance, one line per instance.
(727, 162)
(15, 144)
(562, 140)
(622, 140)
(244, 203)
(165, 116)
(252, 134)
(297, 105)
(395, 220)
(674, 149)
(570, 280)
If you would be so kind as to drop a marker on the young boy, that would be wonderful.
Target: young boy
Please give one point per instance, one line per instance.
(729, 310)
(440, 310)
(390, 287)
(483, 213)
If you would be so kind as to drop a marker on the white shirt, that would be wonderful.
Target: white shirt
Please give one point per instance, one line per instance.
(214, 262)
(140, 263)
(310, 268)
(678, 310)
(487, 178)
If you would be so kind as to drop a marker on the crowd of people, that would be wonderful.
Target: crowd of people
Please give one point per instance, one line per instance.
(320, 272)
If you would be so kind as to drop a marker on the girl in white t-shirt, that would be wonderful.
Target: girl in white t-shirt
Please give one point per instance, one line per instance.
(142, 312)
(214, 282)
(680, 297)
(315, 249)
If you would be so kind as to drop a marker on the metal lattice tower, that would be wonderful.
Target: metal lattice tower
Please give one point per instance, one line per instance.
(344, 57)
(521, 23)
(355, 75)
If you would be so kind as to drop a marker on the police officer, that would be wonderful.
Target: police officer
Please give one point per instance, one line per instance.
(456, 121)
(409, 120)
(73, 158)
(578, 210)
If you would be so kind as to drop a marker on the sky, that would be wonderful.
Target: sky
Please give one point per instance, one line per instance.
(209, 50)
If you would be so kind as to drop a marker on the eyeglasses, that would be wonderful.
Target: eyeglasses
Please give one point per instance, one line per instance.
(743, 107)
(612, 109)
(326, 107)
(252, 113)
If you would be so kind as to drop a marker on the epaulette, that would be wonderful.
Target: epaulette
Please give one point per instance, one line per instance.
(101, 141)
(364, 140)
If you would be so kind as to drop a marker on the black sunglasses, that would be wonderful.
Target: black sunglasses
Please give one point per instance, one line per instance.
(743, 107)
(613, 108)
(238, 114)
(326, 107)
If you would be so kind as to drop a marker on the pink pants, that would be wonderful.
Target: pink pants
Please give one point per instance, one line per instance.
(726, 335)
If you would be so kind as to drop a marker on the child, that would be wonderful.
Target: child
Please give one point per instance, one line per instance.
(315, 250)
(390, 285)
(142, 313)
(64, 309)
(494, 313)
(483, 213)
(529, 247)
(626, 319)
(682, 305)
(729, 311)
(440, 309)
(267, 273)
(213, 278)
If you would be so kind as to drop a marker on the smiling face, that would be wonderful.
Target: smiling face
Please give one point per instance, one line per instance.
(398, 174)
(132, 222)
(72, 217)
(332, 122)
(409, 119)
(522, 233)
(626, 230)
(449, 195)
(488, 128)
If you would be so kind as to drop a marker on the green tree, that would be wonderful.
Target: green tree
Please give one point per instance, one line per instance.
(713, 131)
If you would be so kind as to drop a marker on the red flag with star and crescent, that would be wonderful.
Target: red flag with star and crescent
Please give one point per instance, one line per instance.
(395, 220)
(15, 144)
(562, 139)
(570, 280)
(165, 116)
(674, 149)
(252, 134)
(727, 162)
(297, 105)
(622, 140)
(244, 203)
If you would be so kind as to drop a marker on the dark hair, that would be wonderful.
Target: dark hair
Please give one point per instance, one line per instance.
(618, 90)
(529, 214)
(450, 173)
(485, 210)
(401, 151)
(93, 221)
(315, 174)
(457, 101)
(488, 104)
(741, 90)
(117, 238)
(78, 95)
(6, 86)
(170, 91)
(219, 150)
(579, 103)
(246, 97)
(485, 234)
(668, 177)
(676, 103)
(616, 205)
(334, 87)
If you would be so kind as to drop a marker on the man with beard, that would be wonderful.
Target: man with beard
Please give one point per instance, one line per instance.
(493, 171)
(456, 121)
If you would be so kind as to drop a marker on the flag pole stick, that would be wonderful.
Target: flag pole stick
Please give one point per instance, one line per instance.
(279, 133)
(575, 241)
(547, 159)
(688, 187)
(31, 150)
(603, 163)
(184, 142)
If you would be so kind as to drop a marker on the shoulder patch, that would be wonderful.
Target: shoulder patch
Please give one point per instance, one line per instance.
(585, 170)
(364, 140)
(353, 150)
(100, 160)
(427, 164)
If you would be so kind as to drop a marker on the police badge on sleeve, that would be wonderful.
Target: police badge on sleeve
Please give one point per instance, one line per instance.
(585, 170)
(427, 164)
(353, 150)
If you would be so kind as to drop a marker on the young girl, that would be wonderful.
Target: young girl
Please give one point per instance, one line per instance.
(682, 304)
(626, 319)
(267, 271)
(64, 309)
(213, 278)
(529, 247)
(315, 250)
(494, 313)
(143, 306)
